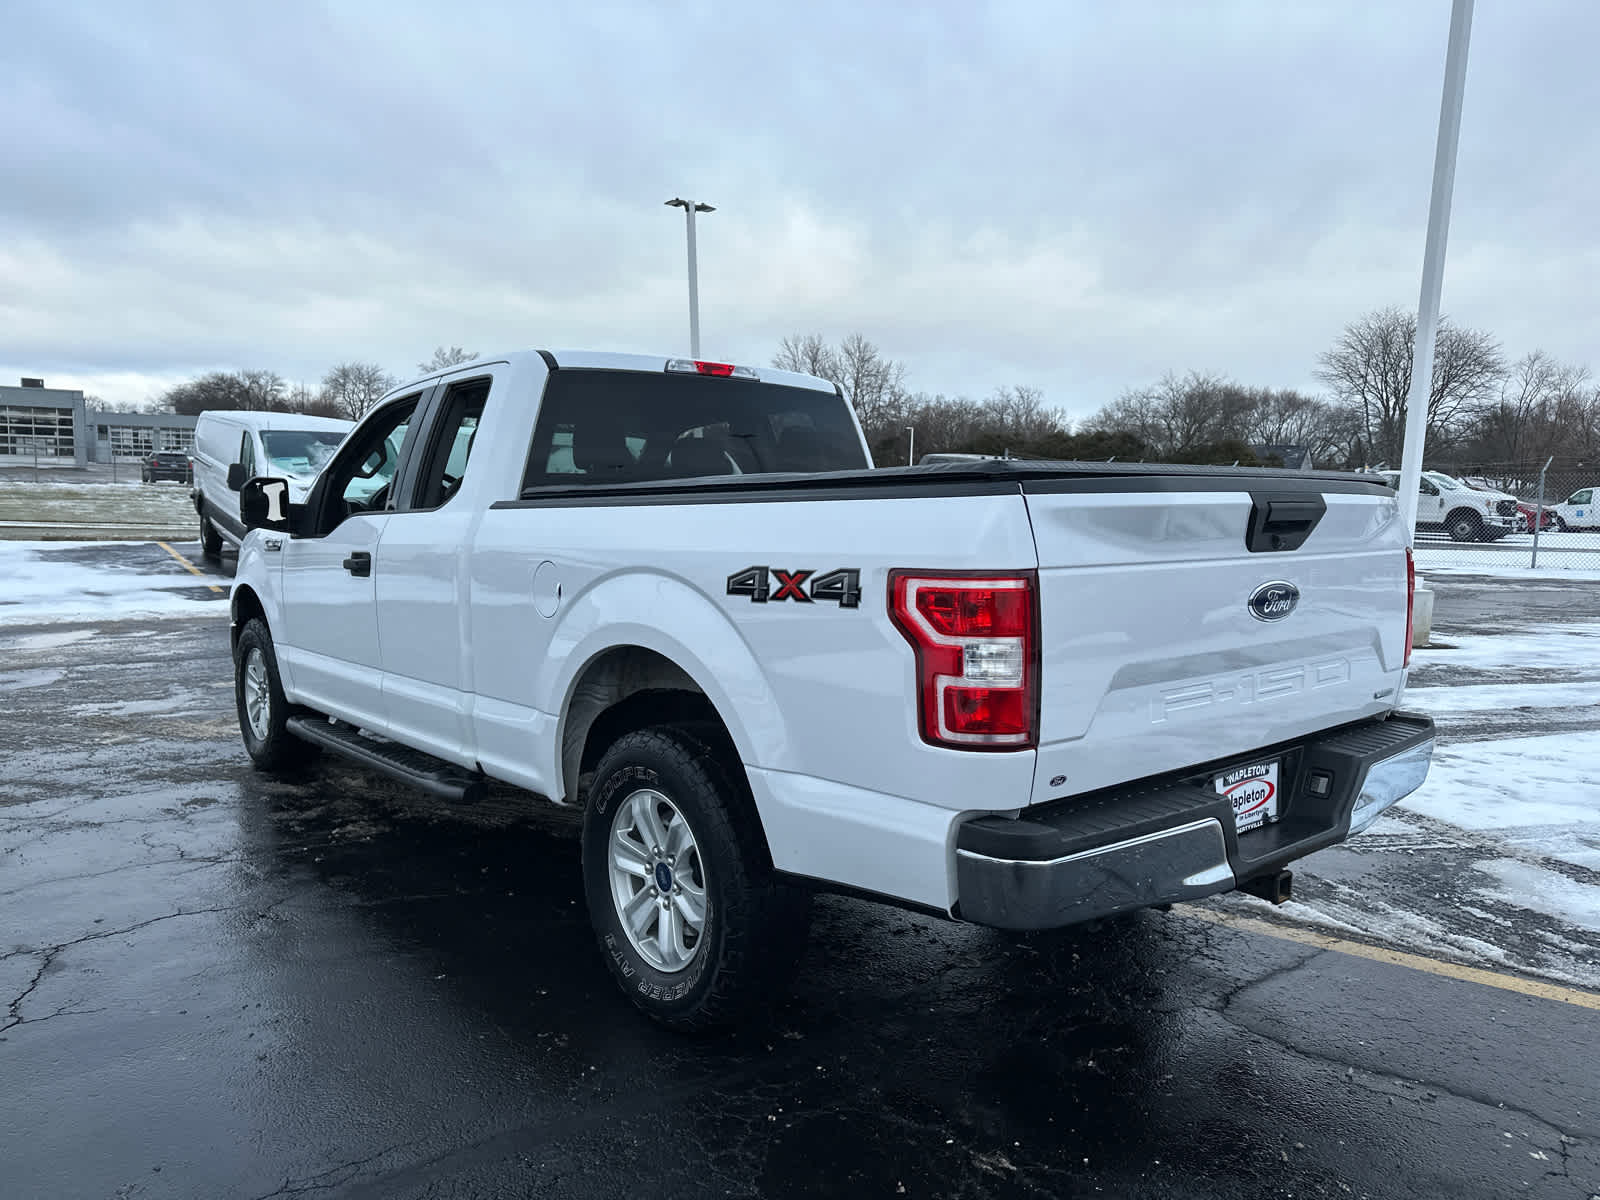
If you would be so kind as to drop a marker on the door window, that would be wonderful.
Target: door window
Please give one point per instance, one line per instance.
(1581, 497)
(451, 445)
(247, 454)
(359, 478)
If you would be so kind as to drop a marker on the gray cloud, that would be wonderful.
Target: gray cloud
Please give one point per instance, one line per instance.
(1079, 196)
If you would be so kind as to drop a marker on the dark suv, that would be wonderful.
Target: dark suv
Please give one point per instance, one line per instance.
(166, 464)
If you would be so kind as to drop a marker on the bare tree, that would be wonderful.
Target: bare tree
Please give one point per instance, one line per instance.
(301, 399)
(1539, 412)
(261, 390)
(349, 389)
(1285, 417)
(874, 385)
(809, 354)
(1369, 372)
(1180, 414)
(213, 391)
(445, 357)
(1019, 412)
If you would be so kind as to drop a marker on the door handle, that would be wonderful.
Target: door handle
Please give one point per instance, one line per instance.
(359, 564)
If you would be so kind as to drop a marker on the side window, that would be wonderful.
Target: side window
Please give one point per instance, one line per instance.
(450, 446)
(360, 475)
(1581, 497)
(247, 454)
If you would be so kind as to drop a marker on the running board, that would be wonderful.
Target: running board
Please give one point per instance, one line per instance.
(422, 771)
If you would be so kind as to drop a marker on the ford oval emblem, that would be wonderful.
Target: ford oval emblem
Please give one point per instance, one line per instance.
(1274, 601)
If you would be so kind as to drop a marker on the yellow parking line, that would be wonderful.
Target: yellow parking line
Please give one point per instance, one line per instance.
(188, 566)
(1399, 958)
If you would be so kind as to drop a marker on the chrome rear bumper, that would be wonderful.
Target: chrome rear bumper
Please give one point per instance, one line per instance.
(1167, 840)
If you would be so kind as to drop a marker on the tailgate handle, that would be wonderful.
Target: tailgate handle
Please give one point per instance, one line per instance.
(1282, 522)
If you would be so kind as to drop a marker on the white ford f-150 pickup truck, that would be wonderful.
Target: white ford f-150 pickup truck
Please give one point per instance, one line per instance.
(674, 592)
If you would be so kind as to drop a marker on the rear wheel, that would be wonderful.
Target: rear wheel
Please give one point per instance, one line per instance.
(1465, 527)
(695, 926)
(263, 709)
(210, 539)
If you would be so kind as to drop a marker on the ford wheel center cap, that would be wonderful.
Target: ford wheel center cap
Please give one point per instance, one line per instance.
(1274, 601)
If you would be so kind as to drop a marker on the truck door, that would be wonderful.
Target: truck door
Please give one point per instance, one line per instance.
(421, 580)
(329, 640)
(1430, 504)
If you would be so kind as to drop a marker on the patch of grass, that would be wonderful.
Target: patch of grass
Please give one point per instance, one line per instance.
(165, 504)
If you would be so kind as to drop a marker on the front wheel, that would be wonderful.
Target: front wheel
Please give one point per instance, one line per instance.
(695, 926)
(1562, 525)
(263, 709)
(1466, 527)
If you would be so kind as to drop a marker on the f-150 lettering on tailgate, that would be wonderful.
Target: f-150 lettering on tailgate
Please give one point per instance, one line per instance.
(1250, 687)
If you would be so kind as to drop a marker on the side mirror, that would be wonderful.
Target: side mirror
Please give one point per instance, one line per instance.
(236, 477)
(264, 503)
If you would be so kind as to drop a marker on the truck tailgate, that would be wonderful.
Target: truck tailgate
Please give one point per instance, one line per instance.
(1152, 658)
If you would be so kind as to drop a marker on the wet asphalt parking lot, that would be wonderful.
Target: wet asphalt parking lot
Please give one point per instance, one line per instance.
(218, 984)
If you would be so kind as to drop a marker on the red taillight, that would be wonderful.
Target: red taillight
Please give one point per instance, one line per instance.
(977, 650)
(1411, 600)
(695, 366)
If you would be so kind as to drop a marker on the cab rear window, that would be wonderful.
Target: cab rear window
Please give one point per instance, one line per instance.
(638, 426)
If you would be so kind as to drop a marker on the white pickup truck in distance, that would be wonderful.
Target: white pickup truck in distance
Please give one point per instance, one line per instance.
(674, 593)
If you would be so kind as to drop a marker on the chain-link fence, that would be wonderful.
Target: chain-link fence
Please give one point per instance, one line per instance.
(1515, 516)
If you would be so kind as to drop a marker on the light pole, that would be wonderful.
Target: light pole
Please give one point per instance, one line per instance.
(1444, 179)
(911, 446)
(690, 207)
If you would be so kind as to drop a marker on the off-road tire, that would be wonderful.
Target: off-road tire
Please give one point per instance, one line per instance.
(755, 921)
(276, 749)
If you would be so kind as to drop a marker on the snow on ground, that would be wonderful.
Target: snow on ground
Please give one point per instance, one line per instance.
(1543, 891)
(1574, 647)
(36, 588)
(1499, 697)
(1561, 556)
(1585, 570)
(1516, 785)
(1528, 804)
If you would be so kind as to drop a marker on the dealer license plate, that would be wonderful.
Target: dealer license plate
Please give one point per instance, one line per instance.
(1253, 790)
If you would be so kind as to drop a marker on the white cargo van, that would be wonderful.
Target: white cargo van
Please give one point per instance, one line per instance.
(231, 447)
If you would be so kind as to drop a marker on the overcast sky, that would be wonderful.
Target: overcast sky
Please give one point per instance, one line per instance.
(1075, 195)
